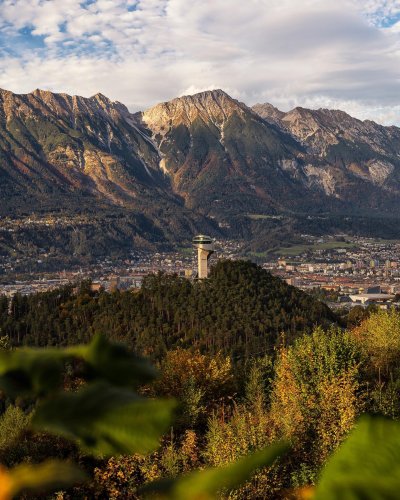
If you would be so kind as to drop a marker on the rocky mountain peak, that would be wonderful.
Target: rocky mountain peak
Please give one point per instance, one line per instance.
(269, 112)
(101, 101)
(62, 106)
(214, 106)
(301, 119)
(101, 97)
(43, 94)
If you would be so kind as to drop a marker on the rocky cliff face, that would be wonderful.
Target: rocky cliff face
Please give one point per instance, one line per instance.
(213, 106)
(221, 156)
(344, 155)
(69, 153)
(70, 143)
(205, 161)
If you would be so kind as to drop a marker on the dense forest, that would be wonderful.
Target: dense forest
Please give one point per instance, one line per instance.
(250, 359)
(241, 311)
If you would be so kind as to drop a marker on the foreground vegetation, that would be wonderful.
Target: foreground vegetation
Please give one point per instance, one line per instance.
(309, 389)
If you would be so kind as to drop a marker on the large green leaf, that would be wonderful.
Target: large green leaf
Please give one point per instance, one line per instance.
(30, 371)
(47, 476)
(106, 420)
(114, 362)
(366, 466)
(205, 484)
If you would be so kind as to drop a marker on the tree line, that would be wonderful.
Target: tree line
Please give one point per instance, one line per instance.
(241, 310)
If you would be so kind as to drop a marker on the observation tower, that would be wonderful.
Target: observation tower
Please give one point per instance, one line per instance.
(205, 247)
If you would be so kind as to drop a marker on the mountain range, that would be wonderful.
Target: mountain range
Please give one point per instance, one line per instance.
(205, 162)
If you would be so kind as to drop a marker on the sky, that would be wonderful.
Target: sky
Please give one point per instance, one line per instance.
(341, 54)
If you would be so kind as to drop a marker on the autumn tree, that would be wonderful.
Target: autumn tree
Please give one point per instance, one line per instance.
(378, 338)
(314, 399)
(200, 382)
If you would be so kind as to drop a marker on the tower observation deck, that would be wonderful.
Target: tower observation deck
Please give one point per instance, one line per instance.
(205, 247)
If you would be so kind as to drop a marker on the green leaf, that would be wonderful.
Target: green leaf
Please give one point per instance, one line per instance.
(366, 466)
(39, 371)
(47, 476)
(106, 420)
(115, 363)
(30, 371)
(205, 484)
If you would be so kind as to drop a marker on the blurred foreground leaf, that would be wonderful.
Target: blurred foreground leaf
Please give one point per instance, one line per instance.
(204, 485)
(106, 420)
(47, 476)
(366, 466)
(30, 371)
(114, 363)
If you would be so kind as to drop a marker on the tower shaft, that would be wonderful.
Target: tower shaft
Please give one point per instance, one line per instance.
(202, 257)
(205, 247)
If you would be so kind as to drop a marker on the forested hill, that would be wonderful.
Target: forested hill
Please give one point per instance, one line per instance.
(240, 310)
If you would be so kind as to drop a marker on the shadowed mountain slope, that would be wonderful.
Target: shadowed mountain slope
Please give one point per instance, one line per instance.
(197, 163)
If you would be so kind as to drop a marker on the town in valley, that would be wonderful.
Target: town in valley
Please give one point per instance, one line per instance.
(343, 270)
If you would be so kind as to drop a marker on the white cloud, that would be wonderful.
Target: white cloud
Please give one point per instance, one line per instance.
(343, 54)
(380, 12)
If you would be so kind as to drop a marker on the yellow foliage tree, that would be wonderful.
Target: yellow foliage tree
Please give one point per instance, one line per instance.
(379, 339)
(314, 399)
(200, 382)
